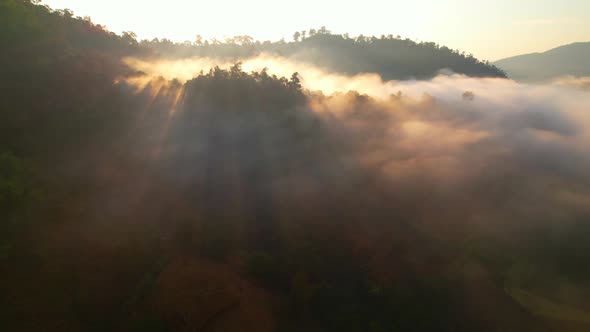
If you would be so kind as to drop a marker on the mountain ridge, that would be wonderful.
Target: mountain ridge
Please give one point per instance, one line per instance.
(391, 57)
(566, 60)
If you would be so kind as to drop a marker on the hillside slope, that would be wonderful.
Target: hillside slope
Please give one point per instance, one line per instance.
(573, 59)
(391, 57)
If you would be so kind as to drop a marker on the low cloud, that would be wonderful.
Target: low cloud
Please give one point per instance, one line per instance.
(512, 156)
(573, 82)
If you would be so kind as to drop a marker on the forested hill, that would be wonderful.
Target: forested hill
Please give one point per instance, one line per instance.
(391, 57)
(28, 28)
(55, 69)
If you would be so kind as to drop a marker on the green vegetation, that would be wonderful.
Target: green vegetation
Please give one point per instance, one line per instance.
(225, 203)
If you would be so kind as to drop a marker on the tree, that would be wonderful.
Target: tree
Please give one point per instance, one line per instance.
(199, 40)
(295, 82)
(244, 40)
(130, 37)
(296, 36)
(66, 13)
(468, 96)
(236, 69)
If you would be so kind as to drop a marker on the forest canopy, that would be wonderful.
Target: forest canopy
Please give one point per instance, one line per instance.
(392, 57)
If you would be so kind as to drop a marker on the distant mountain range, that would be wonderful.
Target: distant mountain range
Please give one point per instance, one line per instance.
(567, 60)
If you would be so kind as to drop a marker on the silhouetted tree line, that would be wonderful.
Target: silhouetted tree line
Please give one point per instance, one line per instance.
(392, 57)
(30, 29)
(245, 89)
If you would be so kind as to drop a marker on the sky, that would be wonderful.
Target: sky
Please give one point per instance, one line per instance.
(490, 30)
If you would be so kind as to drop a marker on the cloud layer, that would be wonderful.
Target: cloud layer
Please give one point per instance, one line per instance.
(512, 154)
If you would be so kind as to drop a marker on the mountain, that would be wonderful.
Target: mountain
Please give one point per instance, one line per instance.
(567, 60)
